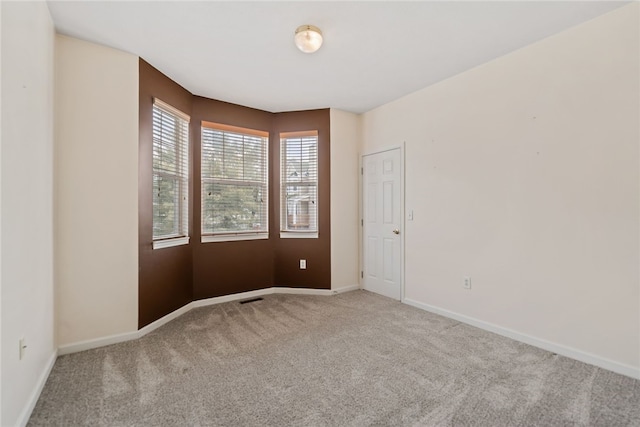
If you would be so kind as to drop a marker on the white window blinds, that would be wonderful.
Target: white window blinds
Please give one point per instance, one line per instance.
(235, 185)
(170, 172)
(299, 184)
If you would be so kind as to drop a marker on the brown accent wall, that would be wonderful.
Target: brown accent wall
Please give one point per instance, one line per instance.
(223, 268)
(317, 252)
(165, 275)
(172, 277)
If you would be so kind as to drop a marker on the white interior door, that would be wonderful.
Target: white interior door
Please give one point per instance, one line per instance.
(382, 220)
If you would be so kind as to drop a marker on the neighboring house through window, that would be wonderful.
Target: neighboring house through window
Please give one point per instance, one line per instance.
(299, 184)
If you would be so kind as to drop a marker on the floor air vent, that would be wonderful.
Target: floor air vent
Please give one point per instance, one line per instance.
(251, 300)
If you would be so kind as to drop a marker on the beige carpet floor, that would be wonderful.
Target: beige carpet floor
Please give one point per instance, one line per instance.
(355, 359)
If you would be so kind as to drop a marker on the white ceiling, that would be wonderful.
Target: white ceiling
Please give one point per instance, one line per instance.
(374, 52)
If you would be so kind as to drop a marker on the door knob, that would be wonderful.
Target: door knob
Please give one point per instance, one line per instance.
(396, 231)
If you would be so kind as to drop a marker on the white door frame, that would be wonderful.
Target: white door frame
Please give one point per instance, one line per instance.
(401, 147)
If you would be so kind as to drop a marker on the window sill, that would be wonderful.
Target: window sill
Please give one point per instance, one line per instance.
(233, 237)
(298, 235)
(168, 243)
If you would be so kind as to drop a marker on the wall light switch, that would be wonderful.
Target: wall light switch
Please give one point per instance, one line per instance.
(303, 264)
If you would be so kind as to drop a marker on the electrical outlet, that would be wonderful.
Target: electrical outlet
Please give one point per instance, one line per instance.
(466, 283)
(23, 347)
(303, 264)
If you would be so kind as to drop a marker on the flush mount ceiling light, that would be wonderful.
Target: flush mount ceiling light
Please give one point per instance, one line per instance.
(308, 38)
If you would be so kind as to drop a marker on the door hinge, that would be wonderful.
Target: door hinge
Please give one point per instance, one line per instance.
(361, 171)
(361, 222)
(362, 274)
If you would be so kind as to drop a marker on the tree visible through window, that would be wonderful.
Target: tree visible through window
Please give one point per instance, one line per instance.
(170, 172)
(234, 181)
(299, 182)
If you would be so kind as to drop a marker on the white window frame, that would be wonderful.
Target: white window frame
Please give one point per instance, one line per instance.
(285, 232)
(226, 236)
(181, 141)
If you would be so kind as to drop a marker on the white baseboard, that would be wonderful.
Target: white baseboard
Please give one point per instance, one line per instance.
(343, 289)
(270, 291)
(570, 352)
(163, 320)
(302, 291)
(232, 297)
(308, 291)
(128, 336)
(24, 416)
(97, 342)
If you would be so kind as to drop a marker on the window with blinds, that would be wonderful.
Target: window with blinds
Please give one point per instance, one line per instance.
(299, 184)
(170, 175)
(235, 184)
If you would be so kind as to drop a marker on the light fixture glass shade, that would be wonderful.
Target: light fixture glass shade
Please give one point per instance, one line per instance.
(308, 38)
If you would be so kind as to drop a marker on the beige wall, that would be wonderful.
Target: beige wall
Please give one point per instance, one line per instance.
(344, 199)
(523, 174)
(96, 191)
(27, 205)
